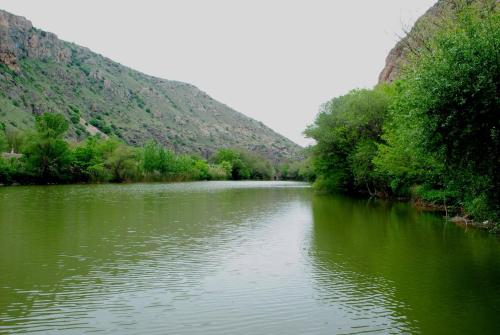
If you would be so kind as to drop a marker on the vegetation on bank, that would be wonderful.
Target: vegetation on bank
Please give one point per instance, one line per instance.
(434, 134)
(46, 157)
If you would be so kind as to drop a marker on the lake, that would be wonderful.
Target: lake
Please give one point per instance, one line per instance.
(237, 258)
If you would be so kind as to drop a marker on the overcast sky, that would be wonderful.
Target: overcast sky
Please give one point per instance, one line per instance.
(275, 61)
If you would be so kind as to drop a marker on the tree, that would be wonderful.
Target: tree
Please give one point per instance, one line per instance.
(239, 169)
(401, 158)
(88, 163)
(120, 160)
(346, 132)
(47, 154)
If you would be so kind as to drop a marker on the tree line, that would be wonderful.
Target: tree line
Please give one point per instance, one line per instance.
(45, 157)
(434, 134)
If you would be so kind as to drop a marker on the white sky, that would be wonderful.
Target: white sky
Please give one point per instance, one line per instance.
(274, 60)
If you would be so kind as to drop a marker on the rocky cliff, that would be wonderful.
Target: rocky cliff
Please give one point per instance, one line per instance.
(39, 72)
(423, 29)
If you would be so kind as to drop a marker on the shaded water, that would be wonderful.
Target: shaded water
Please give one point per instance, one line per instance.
(237, 258)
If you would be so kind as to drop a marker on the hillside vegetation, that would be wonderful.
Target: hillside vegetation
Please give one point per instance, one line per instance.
(40, 73)
(47, 158)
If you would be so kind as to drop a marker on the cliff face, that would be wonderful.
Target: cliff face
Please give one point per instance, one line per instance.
(19, 39)
(39, 73)
(423, 28)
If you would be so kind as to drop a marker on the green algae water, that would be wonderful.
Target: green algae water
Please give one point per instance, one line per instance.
(237, 258)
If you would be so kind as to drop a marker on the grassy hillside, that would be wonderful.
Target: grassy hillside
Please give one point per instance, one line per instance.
(40, 73)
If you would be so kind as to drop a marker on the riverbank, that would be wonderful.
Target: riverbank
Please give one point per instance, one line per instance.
(451, 213)
(454, 215)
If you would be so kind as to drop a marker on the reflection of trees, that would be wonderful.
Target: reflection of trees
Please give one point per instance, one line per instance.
(431, 274)
(62, 243)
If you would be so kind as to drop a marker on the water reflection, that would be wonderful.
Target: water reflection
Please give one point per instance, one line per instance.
(403, 269)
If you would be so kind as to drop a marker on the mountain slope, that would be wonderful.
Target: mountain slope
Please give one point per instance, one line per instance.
(39, 73)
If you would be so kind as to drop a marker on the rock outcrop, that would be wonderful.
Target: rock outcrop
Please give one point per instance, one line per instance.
(423, 28)
(19, 39)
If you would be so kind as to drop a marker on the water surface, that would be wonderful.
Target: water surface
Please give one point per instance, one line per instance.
(237, 258)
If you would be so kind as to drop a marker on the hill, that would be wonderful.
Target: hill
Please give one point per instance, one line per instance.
(41, 73)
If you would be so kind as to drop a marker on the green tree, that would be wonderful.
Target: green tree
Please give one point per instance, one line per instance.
(202, 170)
(47, 154)
(401, 158)
(346, 132)
(259, 167)
(88, 163)
(120, 160)
(239, 169)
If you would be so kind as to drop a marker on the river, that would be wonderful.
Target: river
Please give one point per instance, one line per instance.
(237, 258)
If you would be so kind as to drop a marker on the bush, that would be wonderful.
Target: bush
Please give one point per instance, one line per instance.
(479, 208)
(217, 172)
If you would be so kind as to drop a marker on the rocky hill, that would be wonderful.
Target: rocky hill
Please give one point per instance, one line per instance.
(39, 73)
(420, 33)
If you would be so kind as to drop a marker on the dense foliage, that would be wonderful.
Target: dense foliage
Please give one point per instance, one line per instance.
(434, 134)
(244, 165)
(46, 157)
(300, 170)
(347, 130)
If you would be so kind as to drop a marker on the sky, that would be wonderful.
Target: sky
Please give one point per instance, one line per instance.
(276, 61)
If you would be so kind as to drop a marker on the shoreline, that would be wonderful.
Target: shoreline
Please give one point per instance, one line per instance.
(459, 218)
(451, 214)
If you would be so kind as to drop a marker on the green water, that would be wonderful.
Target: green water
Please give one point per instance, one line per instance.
(237, 258)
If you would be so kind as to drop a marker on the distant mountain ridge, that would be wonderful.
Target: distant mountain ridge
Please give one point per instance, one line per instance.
(41, 73)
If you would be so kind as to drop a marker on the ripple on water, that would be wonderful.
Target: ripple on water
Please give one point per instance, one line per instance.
(211, 258)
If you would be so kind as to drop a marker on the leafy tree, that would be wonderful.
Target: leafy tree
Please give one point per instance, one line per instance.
(120, 160)
(227, 167)
(202, 169)
(401, 158)
(259, 167)
(302, 170)
(346, 132)
(239, 170)
(47, 154)
(88, 163)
